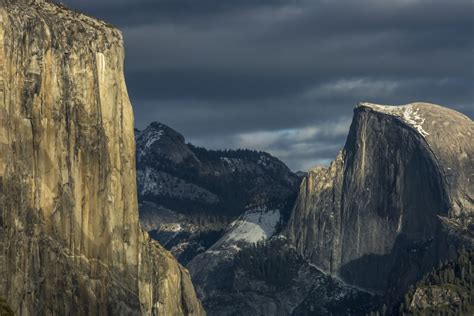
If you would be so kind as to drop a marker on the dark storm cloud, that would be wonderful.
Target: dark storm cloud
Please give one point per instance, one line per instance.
(137, 12)
(261, 74)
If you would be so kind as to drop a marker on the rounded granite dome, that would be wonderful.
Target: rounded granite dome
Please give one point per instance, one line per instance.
(448, 135)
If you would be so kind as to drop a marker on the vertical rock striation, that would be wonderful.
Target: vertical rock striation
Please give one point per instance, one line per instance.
(70, 240)
(396, 201)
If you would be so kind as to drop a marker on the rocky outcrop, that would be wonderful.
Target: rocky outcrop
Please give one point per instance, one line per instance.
(396, 201)
(434, 298)
(447, 289)
(70, 240)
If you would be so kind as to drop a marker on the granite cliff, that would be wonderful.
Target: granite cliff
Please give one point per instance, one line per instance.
(396, 201)
(70, 239)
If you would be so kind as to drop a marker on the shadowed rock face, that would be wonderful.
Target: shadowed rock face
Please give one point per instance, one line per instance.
(398, 198)
(70, 240)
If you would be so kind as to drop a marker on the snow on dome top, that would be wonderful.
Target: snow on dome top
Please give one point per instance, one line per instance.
(409, 114)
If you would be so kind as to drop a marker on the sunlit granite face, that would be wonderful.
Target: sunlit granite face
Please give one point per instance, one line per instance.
(70, 240)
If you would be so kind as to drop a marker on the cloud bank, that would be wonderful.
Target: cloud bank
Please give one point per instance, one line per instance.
(284, 76)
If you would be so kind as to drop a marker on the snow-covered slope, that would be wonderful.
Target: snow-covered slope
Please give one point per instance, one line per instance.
(253, 226)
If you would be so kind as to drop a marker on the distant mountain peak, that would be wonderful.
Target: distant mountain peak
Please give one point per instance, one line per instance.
(159, 125)
(169, 167)
(156, 131)
(160, 139)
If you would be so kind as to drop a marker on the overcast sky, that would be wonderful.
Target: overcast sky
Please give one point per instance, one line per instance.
(284, 76)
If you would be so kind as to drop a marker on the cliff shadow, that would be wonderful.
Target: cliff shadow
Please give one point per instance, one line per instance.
(392, 274)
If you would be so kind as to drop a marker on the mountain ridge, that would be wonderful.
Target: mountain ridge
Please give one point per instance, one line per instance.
(191, 191)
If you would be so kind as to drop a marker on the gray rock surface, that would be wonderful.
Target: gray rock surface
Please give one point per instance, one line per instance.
(70, 239)
(434, 297)
(396, 201)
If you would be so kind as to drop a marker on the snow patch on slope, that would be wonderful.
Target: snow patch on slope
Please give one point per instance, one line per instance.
(153, 137)
(413, 118)
(147, 138)
(254, 225)
(157, 183)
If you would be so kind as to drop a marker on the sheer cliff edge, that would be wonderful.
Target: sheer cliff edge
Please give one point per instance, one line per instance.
(397, 200)
(70, 240)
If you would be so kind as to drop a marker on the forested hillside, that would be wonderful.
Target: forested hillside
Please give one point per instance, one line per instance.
(447, 290)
